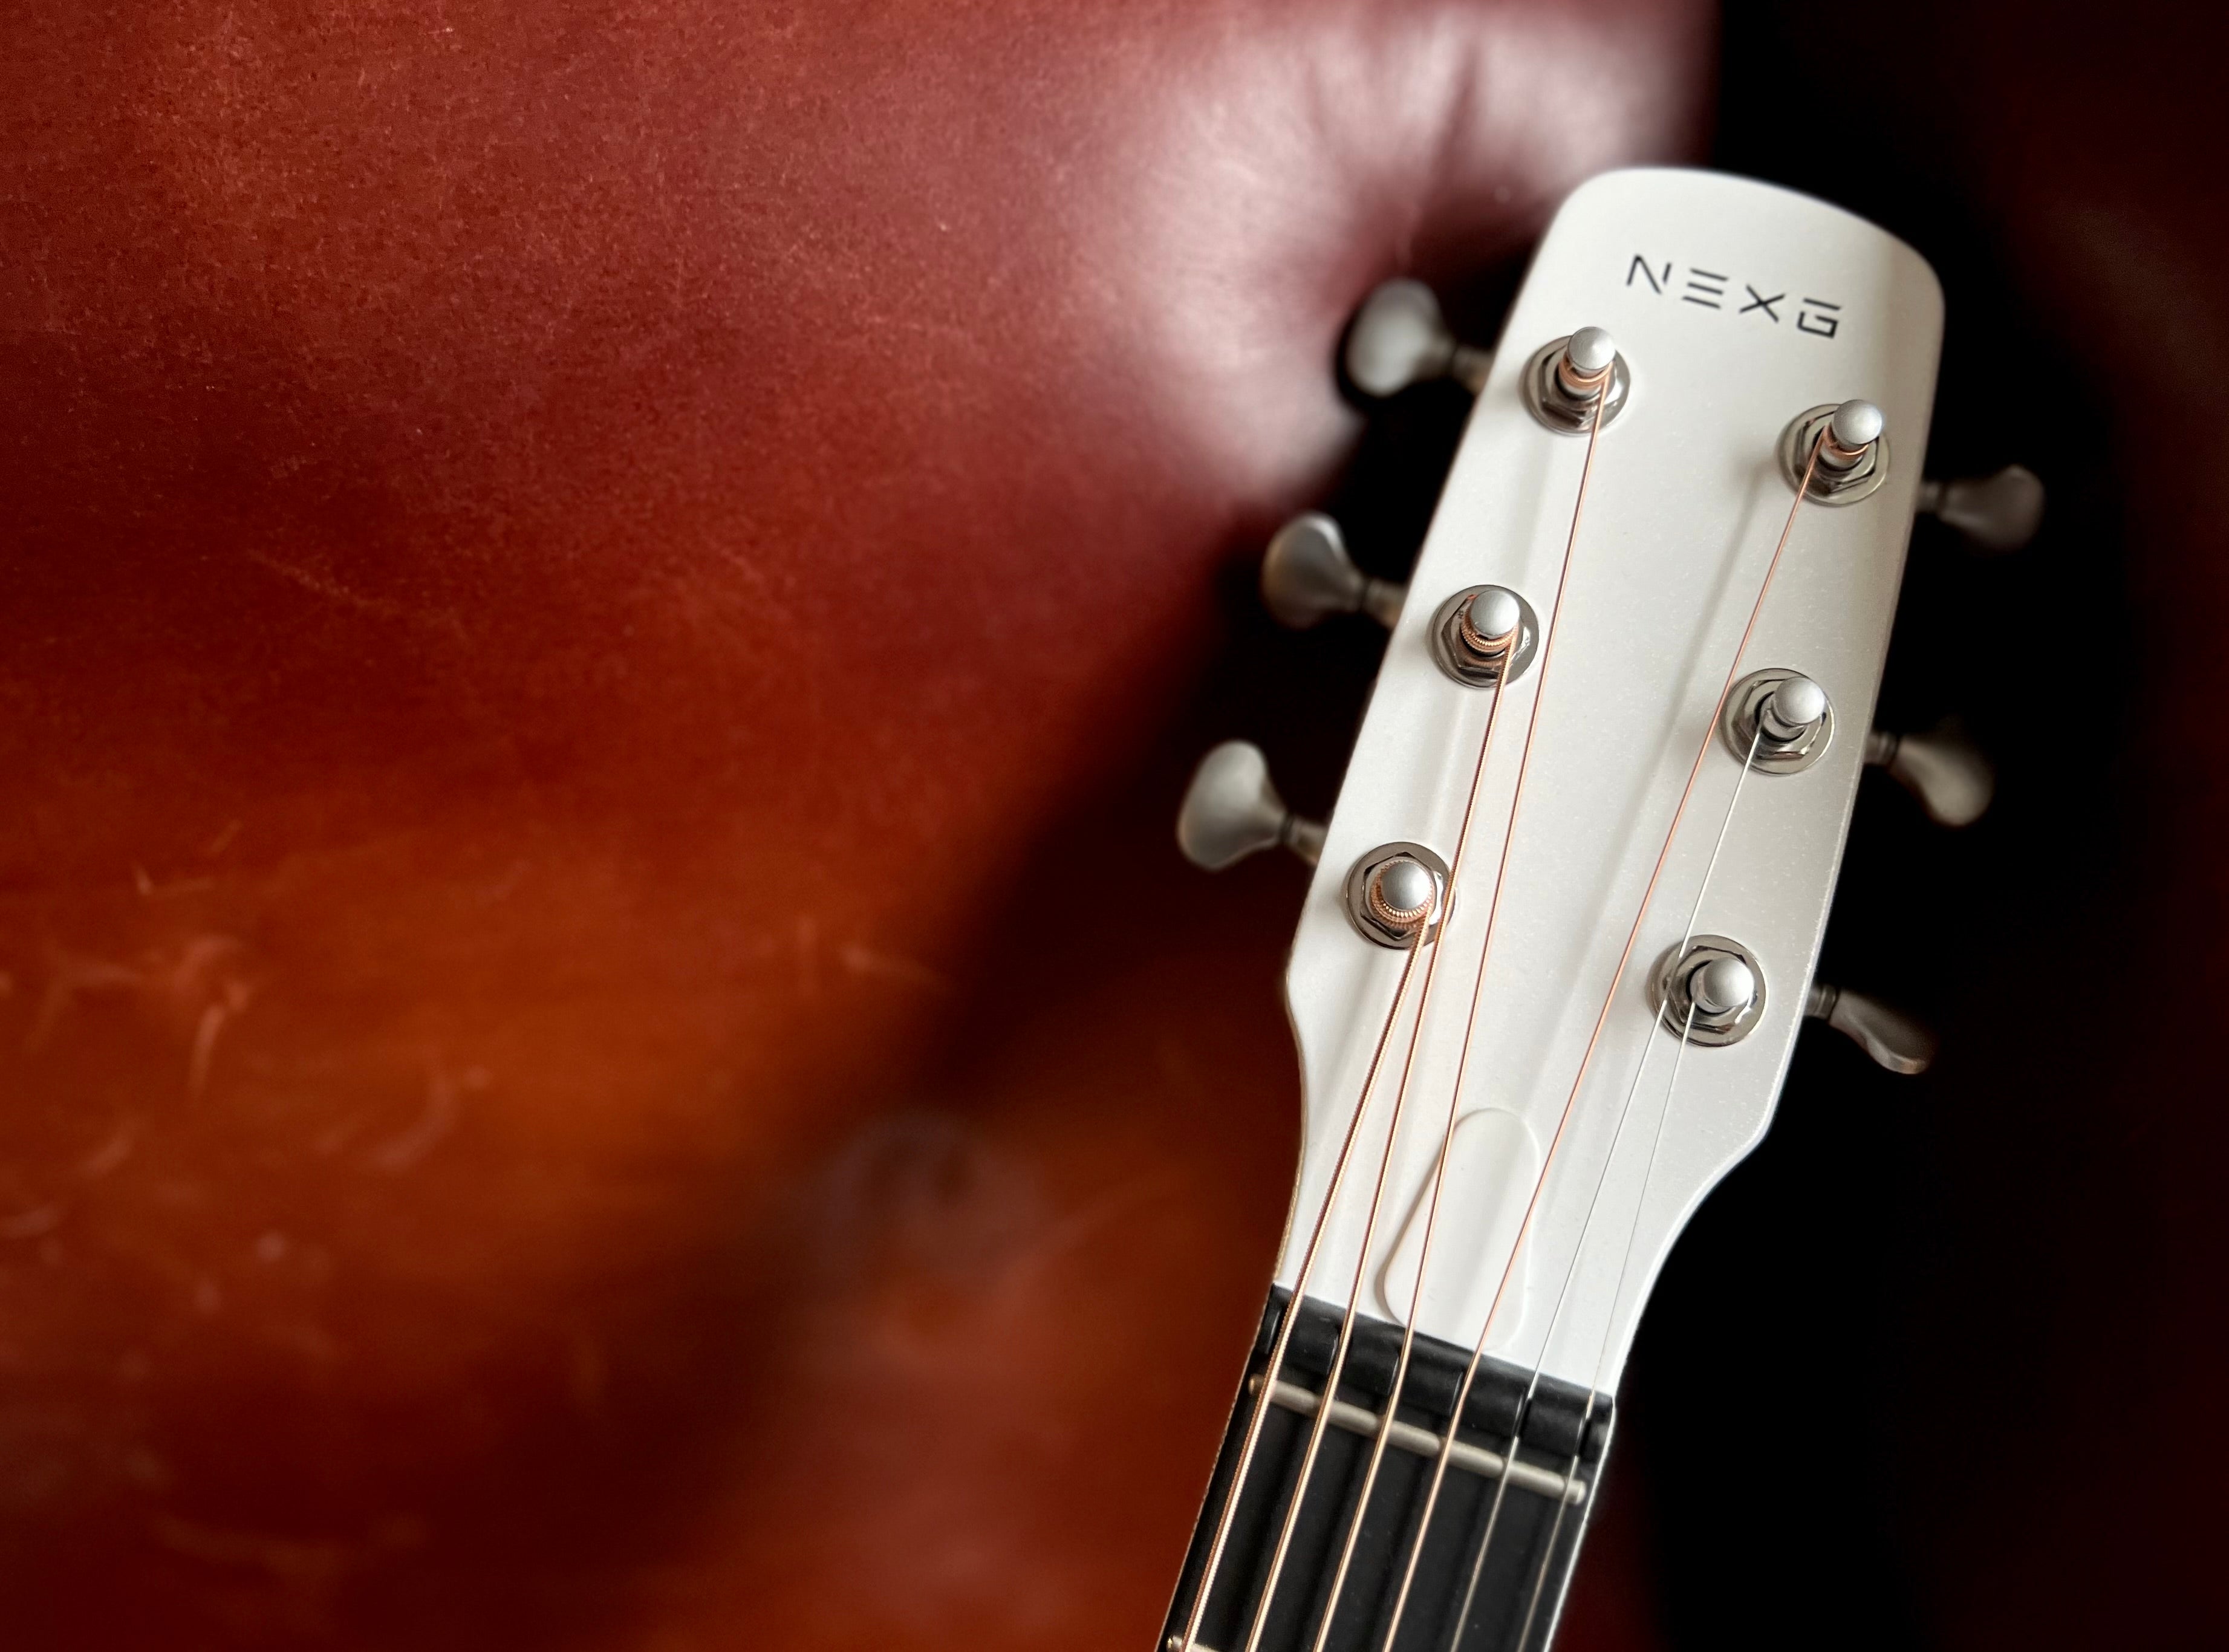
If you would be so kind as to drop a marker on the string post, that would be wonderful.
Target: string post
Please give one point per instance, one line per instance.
(1837, 452)
(1484, 635)
(1569, 378)
(1709, 991)
(1724, 987)
(1583, 369)
(1489, 621)
(1396, 894)
(1777, 722)
(1402, 893)
(1791, 712)
(1851, 430)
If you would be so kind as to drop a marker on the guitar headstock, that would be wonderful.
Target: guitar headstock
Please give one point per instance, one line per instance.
(1736, 311)
(1561, 933)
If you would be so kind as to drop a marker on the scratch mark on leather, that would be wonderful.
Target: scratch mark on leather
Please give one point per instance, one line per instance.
(34, 1223)
(74, 976)
(865, 960)
(332, 589)
(111, 1152)
(290, 1560)
(235, 999)
(150, 891)
(423, 1134)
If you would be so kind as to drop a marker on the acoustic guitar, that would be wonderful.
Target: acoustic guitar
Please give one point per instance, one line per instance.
(1561, 932)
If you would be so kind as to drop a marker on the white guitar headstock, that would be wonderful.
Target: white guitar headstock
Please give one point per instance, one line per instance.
(1561, 933)
(1736, 310)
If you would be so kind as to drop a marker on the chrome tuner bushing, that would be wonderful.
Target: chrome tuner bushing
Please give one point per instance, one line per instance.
(1778, 721)
(1565, 377)
(1485, 634)
(1852, 456)
(1718, 980)
(1395, 891)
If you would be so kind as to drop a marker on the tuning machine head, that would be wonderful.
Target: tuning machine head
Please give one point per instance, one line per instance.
(1945, 770)
(1995, 513)
(1398, 338)
(1231, 810)
(1306, 576)
(1892, 1039)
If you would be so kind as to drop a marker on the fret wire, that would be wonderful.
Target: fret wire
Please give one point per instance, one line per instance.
(1422, 1442)
(1454, 1096)
(1571, 1101)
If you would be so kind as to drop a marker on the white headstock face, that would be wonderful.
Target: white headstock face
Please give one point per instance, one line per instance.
(1734, 308)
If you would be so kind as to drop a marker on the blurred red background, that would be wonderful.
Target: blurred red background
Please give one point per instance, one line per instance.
(602, 1043)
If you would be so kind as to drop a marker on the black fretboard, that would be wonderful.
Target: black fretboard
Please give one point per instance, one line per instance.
(1513, 1595)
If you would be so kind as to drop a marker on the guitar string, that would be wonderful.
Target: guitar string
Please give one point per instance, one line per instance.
(1587, 1412)
(1586, 1058)
(1594, 1385)
(1378, 1442)
(1291, 1315)
(1586, 1230)
(1322, 1420)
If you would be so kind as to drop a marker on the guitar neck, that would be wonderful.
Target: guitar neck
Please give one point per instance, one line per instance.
(1501, 1538)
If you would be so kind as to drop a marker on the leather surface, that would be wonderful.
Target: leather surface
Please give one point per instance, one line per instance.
(602, 1044)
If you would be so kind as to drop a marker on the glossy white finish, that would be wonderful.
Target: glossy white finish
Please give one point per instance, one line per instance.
(1685, 504)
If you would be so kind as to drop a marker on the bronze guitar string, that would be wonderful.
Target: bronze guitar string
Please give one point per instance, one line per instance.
(1586, 1059)
(1292, 1311)
(1383, 1433)
(1370, 1226)
(1219, 1546)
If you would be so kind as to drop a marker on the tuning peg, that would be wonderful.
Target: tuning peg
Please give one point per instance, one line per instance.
(1230, 810)
(1306, 576)
(1399, 338)
(1942, 769)
(1890, 1037)
(1997, 513)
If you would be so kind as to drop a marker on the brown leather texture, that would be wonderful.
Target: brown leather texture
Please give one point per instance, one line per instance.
(603, 1043)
